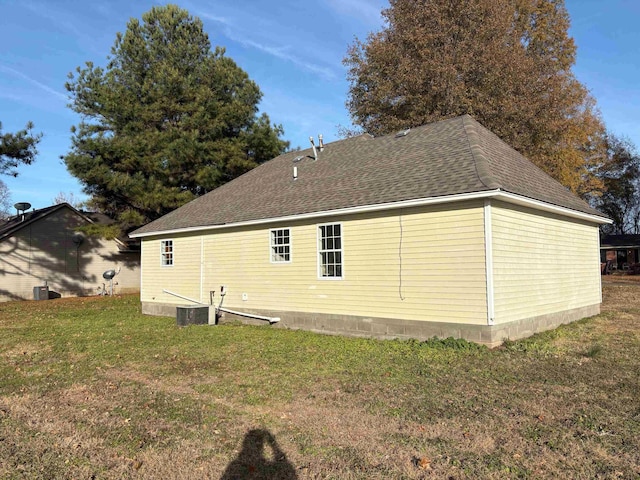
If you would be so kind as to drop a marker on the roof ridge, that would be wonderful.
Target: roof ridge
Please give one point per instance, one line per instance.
(483, 168)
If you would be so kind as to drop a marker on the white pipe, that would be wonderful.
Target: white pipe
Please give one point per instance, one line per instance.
(183, 297)
(251, 315)
(242, 314)
(313, 145)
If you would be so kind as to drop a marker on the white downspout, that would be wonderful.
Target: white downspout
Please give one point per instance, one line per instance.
(488, 256)
(201, 265)
(599, 265)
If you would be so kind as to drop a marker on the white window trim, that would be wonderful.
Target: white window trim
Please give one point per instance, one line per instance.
(162, 253)
(283, 262)
(319, 250)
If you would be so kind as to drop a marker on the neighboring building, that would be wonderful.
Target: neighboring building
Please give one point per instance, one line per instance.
(42, 247)
(620, 252)
(441, 230)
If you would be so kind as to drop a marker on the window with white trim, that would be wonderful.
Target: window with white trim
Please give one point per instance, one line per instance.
(166, 253)
(330, 250)
(280, 245)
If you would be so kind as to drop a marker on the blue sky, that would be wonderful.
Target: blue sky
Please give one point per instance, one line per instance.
(292, 49)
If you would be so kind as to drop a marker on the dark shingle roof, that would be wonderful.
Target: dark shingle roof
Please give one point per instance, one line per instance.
(449, 157)
(18, 221)
(15, 223)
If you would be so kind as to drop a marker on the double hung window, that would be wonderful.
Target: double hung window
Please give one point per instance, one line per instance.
(280, 245)
(166, 253)
(330, 250)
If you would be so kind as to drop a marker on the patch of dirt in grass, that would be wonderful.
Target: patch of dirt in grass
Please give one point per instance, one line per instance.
(25, 350)
(349, 442)
(620, 279)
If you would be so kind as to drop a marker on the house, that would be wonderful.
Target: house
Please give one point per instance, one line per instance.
(620, 252)
(440, 230)
(43, 248)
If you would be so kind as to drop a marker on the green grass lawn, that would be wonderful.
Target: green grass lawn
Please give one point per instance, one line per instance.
(90, 388)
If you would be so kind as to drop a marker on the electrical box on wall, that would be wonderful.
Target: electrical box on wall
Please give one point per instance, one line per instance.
(245, 297)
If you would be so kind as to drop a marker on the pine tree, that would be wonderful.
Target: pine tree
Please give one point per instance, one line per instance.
(17, 149)
(165, 121)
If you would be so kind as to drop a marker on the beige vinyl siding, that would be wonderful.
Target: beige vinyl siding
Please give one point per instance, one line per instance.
(183, 277)
(441, 277)
(44, 252)
(543, 263)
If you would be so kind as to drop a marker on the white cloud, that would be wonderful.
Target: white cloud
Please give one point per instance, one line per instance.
(241, 36)
(367, 11)
(62, 20)
(33, 81)
(215, 18)
(281, 53)
(10, 96)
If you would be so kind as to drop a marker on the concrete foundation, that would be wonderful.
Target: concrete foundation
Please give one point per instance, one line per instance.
(392, 328)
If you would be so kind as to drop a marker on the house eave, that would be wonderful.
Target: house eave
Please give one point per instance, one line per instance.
(496, 194)
(548, 207)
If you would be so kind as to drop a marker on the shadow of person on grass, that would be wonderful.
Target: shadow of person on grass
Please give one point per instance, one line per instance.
(260, 458)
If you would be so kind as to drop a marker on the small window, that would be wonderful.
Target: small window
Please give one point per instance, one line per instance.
(280, 245)
(166, 252)
(330, 251)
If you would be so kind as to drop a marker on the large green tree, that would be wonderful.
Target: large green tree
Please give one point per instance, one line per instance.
(17, 149)
(505, 62)
(168, 119)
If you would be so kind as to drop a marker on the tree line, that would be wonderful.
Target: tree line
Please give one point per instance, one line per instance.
(168, 118)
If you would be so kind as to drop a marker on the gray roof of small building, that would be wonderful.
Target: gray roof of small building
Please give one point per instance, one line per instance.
(449, 157)
(21, 220)
(15, 223)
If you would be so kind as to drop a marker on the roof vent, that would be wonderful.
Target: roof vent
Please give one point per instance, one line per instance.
(313, 145)
(298, 158)
(403, 133)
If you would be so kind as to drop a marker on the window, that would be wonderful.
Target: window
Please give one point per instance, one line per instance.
(166, 252)
(330, 251)
(280, 245)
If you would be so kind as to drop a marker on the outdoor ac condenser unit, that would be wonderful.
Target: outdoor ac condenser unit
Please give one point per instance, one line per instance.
(41, 293)
(192, 315)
